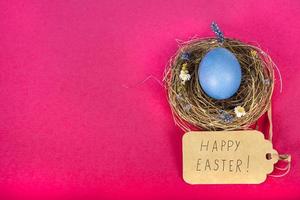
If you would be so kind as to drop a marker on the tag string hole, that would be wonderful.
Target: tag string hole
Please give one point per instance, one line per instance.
(268, 156)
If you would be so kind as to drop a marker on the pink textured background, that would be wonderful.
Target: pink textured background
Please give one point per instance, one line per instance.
(69, 129)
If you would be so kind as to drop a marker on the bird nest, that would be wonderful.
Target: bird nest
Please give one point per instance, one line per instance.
(193, 109)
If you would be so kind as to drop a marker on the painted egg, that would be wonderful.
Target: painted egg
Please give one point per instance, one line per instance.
(220, 73)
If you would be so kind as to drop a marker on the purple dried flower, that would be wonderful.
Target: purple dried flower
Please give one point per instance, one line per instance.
(226, 117)
(185, 56)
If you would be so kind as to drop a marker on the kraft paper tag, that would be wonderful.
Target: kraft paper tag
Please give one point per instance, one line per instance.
(227, 157)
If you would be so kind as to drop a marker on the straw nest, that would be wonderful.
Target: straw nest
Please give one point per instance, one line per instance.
(193, 109)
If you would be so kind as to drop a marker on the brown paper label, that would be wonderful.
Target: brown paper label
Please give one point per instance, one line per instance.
(227, 157)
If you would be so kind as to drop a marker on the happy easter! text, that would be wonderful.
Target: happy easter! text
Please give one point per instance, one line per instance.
(217, 163)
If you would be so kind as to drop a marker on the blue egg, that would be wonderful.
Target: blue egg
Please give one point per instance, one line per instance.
(220, 74)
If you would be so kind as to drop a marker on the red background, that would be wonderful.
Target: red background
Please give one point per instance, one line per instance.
(69, 127)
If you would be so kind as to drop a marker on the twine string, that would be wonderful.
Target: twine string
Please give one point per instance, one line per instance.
(270, 123)
(287, 158)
